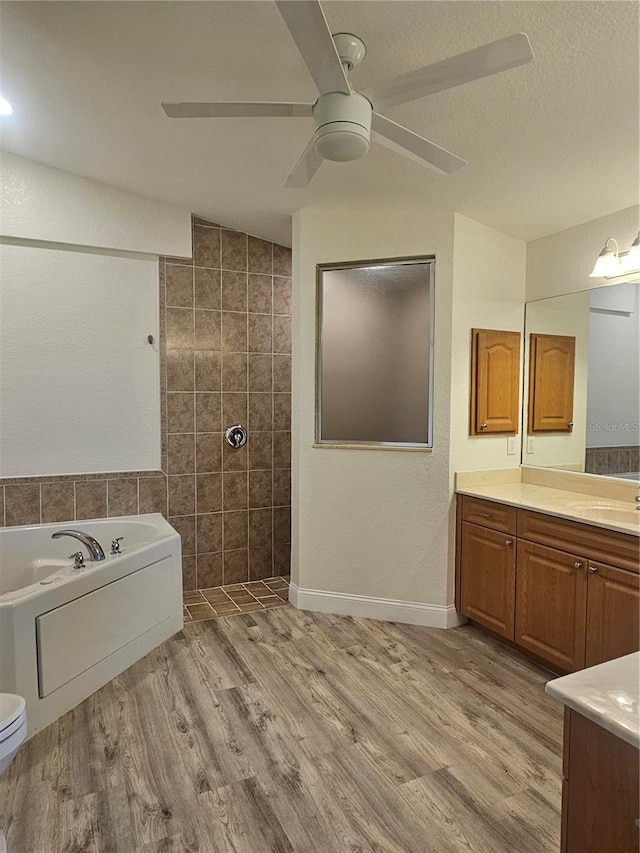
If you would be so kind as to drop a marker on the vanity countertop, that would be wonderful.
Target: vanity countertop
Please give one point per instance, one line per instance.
(607, 694)
(609, 513)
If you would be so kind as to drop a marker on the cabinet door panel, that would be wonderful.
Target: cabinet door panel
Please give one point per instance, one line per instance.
(613, 613)
(488, 578)
(495, 381)
(551, 378)
(551, 601)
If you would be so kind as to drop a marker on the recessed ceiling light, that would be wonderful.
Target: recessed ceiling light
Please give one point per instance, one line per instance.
(5, 107)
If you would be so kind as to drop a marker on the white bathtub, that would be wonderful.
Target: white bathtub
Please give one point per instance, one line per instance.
(64, 632)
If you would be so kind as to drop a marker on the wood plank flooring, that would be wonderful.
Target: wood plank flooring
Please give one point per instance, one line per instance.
(289, 732)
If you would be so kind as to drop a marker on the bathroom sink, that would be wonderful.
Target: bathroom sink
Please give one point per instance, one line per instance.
(608, 511)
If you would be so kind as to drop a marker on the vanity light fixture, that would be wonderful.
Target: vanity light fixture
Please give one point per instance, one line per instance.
(611, 262)
(5, 107)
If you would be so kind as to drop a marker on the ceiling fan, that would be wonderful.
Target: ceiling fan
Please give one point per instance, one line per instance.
(346, 120)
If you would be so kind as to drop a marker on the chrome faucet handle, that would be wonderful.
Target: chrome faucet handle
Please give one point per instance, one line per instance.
(115, 545)
(78, 559)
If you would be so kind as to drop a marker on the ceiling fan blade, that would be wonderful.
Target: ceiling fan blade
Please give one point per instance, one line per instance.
(415, 147)
(236, 110)
(305, 167)
(480, 62)
(308, 26)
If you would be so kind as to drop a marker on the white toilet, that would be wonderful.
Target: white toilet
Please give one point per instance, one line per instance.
(13, 730)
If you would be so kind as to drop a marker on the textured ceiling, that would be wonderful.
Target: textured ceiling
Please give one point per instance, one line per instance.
(549, 145)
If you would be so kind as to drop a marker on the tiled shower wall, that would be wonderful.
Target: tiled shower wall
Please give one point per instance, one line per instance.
(225, 329)
(227, 322)
(612, 460)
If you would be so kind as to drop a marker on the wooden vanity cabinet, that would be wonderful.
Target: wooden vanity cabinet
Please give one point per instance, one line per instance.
(551, 604)
(613, 613)
(546, 589)
(488, 591)
(600, 790)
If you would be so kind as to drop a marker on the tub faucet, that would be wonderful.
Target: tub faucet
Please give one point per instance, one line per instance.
(92, 545)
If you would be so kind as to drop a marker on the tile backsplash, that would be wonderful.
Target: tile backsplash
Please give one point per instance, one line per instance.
(225, 336)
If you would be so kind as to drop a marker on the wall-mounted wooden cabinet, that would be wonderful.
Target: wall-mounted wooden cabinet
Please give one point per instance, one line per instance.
(538, 581)
(551, 379)
(495, 382)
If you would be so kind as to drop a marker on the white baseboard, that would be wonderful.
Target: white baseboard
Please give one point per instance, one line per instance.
(385, 609)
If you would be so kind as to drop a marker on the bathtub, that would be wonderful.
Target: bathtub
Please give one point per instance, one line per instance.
(65, 632)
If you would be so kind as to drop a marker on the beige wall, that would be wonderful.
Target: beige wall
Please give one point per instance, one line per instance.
(488, 293)
(370, 522)
(561, 262)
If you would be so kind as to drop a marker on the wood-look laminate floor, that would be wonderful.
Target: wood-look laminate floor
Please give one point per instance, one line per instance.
(284, 731)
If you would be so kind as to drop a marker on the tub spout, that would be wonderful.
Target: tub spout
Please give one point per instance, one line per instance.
(92, 545)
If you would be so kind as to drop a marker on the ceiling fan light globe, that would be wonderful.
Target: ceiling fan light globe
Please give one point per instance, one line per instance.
(342, 143)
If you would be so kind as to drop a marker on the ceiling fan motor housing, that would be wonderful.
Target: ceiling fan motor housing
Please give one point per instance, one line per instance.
(343, 126)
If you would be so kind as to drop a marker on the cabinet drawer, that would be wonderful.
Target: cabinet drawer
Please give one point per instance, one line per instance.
(607, 546)
(489, 514)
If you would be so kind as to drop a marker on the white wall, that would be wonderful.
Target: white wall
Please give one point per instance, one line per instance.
(40, 203)
(561, 262)
(488, 291)
(79, 382)
(613, 410)
(370, 522)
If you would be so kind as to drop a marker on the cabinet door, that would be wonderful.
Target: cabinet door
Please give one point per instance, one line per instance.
(495, 381)
(551, 603)
(613, 613)
(551, 377)
(488, 573)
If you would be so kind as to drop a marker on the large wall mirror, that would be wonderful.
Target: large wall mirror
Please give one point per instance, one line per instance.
(375, 353)
(588, 378)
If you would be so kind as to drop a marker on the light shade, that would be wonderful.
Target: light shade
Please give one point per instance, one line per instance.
(5, 107)
(607, 263)
(633, 255)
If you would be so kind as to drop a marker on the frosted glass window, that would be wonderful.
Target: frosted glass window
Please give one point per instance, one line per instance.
(375, 330)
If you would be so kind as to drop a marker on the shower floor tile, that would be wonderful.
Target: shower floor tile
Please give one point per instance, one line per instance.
(234, 599)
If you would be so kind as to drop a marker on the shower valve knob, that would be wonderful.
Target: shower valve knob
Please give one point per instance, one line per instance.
(236, 436)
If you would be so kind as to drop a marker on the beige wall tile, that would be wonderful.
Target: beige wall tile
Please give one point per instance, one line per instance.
(234, 250)
(209, 570)
(179, 328)
(260, 372)
(152, 495)
(236, 533)
(181, 453)
(207, 330)
(22, 504)
(234, 371)
(180, 370)
(260, 489)
(282, 296)
(209, 532)
(234, 291)
(235, 490)
(180, 412)
(260, 412)
(209, 493)
(260, 252)
(208, 452)
(282, 373)
(182, 494)
(234, 409)
(179, 286)
(281, 449)
(122, 497)
(206, 246)
(234, 332)
(282, 412)
(260, 294)
(260, 333)
(281, 486)
(91, 499)
(208, 370)
(235, 569)
(260, 563)
(282, 524)
(281, 260)
(260, 528)
(58, 501)
(260, 450)
(189, 573)
(281, 334)
(207, 288)
(185, 525)
(1, 506)
(235, 458)
(208, 412)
